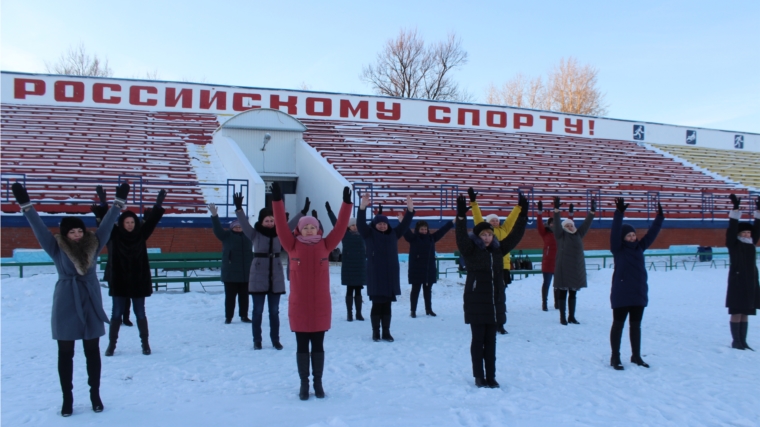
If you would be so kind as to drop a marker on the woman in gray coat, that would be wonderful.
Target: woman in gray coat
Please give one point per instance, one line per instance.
(77, 300)
(266, 281)
(237, 257)
(570, 265)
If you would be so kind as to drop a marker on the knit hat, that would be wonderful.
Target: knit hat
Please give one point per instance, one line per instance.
(351, 221)
(492, 216)
(380, 218)
(304, 221)
(567, 221)
(234, 223)
(127, 214)
(70, 222)
(481, 227)
(745, 226)
(420, 224)
(265, 212)
(627, 229)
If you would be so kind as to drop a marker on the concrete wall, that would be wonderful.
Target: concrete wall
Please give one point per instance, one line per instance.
(236, 164)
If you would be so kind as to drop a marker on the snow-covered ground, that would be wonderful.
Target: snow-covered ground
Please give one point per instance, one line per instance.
(205, 373)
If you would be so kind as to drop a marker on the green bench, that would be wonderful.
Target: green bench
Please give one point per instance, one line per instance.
(21, 265)
(187, 262)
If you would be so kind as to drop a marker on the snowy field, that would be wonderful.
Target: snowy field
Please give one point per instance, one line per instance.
(205, 373)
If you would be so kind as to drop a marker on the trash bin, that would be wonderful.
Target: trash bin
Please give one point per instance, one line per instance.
(705, 253)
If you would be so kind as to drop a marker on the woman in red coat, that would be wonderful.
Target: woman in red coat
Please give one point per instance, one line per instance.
(309, 305)
(550, 253)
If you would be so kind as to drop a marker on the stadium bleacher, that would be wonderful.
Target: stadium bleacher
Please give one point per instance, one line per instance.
(740, 166)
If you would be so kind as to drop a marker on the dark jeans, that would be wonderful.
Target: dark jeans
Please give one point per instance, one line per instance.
(274, 316)
(507, 282)
(66, 363)
(316, 339)
(545, 287)
(634, 329)
(426, 294)
(234, 290)
(120, 304)
(353, 291)
(380, 309)
(483, 349)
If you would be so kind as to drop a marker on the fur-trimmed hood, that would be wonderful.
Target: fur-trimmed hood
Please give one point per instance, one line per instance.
(82, 253)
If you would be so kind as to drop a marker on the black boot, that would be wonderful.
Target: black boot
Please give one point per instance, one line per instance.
(480, 382)
(349, 306)
(571, 309)
(142, 326)
(544, 296)
(125, 316)
(635, 333)
(492, 383)
(113, 336)
(562, 319)
(303, 372)
(616, 335)
(386, 319)
(544, 306)
(736, 335)
(427, 294)
(500, 329)
(127, 322)
(358, 302)
(317, 367)
(413, 314)
(375, 327)
(66, 376)
(562, 297)
(556, 299)
(92, 355)
(743, 326)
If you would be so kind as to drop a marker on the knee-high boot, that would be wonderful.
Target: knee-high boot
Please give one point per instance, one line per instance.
(736, 336)
(544, 297)
(387, 328)
(92, 355)
(303, 372)
(142, 326)
(616, 336)
(562, 294)
(571, 308)
(375, 327)
(317, 367)
(358, 303)
(427, 294)
(743, 326)
(113, 336)
(66, 376)
(635, 332)
(349, 306)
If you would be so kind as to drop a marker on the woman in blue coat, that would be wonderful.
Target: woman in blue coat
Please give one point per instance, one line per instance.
(383, 282)
(77, 299)
(629, 282)
(422, 270)
(353, 265)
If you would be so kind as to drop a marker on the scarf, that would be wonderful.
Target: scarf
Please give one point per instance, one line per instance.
(482, 245)
(311, 240)
(268, 232)
(747, 240)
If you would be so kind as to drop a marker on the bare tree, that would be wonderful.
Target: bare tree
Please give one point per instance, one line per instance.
(407, 68)
(570, 88)
(77, 62)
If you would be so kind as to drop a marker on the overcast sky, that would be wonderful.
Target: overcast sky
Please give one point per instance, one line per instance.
(692, 63)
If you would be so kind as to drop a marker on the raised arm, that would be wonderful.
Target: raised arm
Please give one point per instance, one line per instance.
(287, 239)
(404, 225)
(654, 230)
(733, 222)
(465, 245)
(511, 219)
(106, 226)
(616, 230)
(219, 232)
(334, 237)
(557, 225)
(330, 214)
(152, 220)
(438, 235)
(361, 217)
(540, 223)
(756, 225)
(293, 222)
(586, 224)
(518, 230)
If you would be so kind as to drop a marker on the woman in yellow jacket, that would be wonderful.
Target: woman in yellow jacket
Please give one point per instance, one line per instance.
(500, 232)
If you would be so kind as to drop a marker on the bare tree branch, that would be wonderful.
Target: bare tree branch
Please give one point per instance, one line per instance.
(406, 68)
(77, 62)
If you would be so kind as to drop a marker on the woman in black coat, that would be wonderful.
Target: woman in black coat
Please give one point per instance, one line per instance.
(629, 294)
(128, 271)
(353, 265)
(237, 256)
(422, 270)
(383, 282)
(484, 305)
(743, 294)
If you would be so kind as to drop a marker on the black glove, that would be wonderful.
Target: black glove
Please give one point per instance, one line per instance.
(327, 207)
(557, 203)
(305, 205)
(462, 207)
(347, 196)
(523, 203)
(540, 206)
(237, 200)
(735, 200)
(620, 204)
(472, 193)
(277, 193)
(757, 203)
(101, 195)
(160, 198)
(314, 213)
(99, 210)
(380, 209)
(593, 205)
(122, 192)
(570, 209)
(659, 209)
(22, 197)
